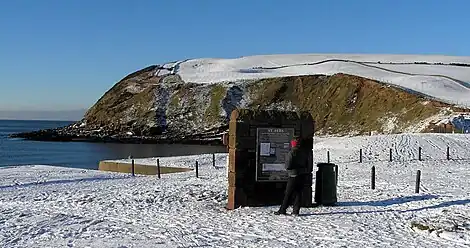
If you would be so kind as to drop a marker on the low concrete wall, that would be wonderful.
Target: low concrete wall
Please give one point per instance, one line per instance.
(138, 168)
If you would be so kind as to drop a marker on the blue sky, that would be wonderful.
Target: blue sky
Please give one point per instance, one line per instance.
(65, 54)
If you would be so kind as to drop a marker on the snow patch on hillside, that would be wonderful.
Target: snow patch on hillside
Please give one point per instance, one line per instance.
(389, 124)
(445, 82)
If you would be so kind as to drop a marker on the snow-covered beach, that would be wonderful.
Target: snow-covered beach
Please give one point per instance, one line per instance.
(43, 206)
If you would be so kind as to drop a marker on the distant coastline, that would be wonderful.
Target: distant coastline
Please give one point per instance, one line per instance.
(46, 115)
(38, 120)
(70, 131)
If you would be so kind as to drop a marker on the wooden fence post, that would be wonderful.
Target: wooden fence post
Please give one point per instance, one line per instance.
(419, 153)
(418, 181)
(391, 155)
(213, 160)
(158, 169)
(328, 156)
(197, 169)
(372, 178)
(133, 168)
(360, 155)
(448, 153)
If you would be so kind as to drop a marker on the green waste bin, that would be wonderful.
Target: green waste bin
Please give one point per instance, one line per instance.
(325, 184)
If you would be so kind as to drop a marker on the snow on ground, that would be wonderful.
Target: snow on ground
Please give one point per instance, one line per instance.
(45, 206)
(445, 82)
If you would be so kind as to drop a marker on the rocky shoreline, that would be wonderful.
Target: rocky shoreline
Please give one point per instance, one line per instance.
(71, 134)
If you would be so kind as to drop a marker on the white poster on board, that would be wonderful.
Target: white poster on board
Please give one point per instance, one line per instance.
(273, 167)
(265, 149)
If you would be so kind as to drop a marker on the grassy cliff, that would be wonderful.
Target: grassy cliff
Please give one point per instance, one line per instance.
(340, 104)
(129, 104)
(344, 103)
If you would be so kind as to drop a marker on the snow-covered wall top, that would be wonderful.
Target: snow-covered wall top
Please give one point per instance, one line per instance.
(446, 78)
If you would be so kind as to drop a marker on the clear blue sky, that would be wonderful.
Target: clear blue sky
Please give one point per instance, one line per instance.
(64, 54)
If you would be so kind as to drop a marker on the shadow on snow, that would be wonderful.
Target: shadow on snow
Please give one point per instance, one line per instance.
(391, 202)
(64, 181)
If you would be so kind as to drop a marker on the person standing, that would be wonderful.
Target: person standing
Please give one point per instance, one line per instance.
(297, 169)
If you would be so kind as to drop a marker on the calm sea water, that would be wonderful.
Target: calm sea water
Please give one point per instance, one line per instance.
(78, 154)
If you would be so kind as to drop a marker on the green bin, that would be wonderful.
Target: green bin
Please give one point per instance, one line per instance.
(325, 184)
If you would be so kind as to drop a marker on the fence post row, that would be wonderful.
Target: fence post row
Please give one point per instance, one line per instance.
(420, 154)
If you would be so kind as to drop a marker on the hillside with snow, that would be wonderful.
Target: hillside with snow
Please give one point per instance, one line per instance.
(446, 78)
(42, 206)
(347, 94)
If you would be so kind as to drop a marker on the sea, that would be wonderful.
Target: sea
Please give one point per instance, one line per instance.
(14, 152)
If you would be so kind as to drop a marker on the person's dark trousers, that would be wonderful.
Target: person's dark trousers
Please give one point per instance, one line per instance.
(293, 192)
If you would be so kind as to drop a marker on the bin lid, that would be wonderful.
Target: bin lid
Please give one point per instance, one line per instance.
(326, 165)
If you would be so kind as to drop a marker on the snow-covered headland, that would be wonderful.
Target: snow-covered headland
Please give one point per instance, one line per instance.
(191, 100)
(445, 78)
(42, 206)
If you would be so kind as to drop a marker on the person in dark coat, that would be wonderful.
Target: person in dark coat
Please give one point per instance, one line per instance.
(297, 169)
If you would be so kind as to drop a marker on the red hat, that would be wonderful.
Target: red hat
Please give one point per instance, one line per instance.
(293, 143)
